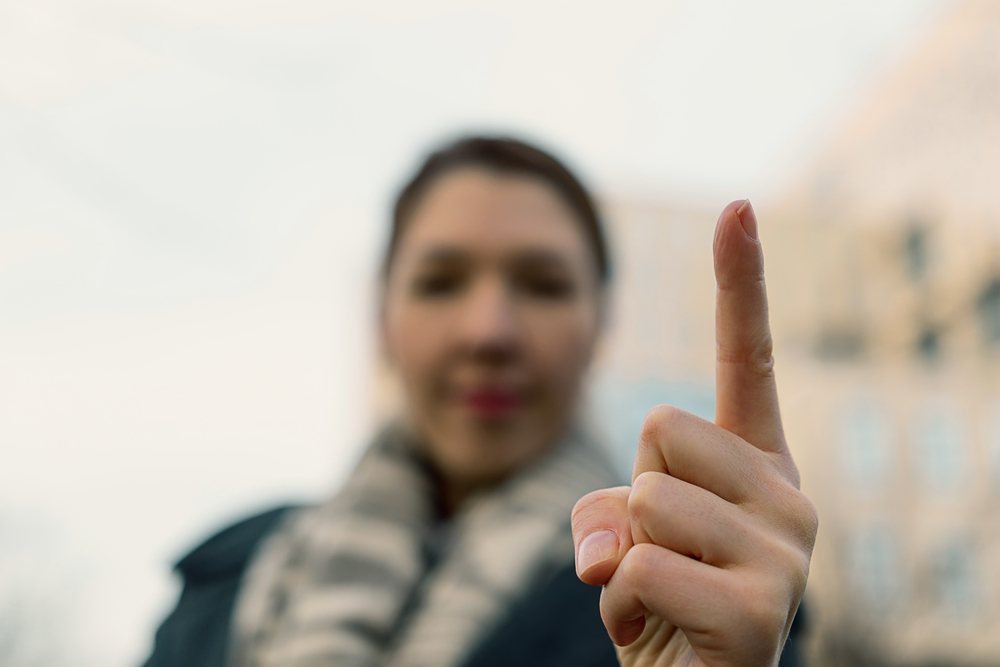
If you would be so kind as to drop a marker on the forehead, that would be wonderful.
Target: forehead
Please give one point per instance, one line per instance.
(482, 211)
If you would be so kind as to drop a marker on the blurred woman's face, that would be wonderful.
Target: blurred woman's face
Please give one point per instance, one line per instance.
(491, 312)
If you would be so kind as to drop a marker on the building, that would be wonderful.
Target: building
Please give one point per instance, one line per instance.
(883, 268)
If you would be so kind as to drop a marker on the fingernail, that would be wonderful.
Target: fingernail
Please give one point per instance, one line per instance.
(748, 219)
(596, 548)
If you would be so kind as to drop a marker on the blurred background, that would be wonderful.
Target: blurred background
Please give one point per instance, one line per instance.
(193, 197)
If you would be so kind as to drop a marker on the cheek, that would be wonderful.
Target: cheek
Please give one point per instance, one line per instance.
(560, 345)
(416, 341)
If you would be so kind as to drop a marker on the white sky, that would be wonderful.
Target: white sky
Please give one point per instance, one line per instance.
(192, 196)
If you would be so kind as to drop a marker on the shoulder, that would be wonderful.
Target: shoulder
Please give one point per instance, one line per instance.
(196, 633)
(557, 625)
(227, 552)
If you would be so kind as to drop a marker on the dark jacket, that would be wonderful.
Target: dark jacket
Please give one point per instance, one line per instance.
(558, 625)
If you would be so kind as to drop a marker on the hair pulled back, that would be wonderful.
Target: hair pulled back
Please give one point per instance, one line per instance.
(504, 156)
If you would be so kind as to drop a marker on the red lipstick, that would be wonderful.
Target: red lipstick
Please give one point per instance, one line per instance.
(491, 403)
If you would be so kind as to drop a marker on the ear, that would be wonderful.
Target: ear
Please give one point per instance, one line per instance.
(603, 309)
(602, 317)
(384, 348)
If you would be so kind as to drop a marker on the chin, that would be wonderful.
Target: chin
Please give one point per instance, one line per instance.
(493, 450)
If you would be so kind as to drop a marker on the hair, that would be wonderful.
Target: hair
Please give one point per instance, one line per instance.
(509, 157)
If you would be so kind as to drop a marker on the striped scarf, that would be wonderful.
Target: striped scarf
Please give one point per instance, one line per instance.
(372, 577)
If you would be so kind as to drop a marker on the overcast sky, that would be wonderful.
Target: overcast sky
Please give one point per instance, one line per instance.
(192, 196)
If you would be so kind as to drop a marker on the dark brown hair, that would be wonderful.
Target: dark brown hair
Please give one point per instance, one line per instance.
(505, 156)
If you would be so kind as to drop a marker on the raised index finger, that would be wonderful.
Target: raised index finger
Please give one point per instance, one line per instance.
(746, 402)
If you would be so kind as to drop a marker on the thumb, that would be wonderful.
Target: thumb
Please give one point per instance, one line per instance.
(746, 395)
(601, 533)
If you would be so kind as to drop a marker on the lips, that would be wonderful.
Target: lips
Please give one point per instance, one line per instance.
(491, 403)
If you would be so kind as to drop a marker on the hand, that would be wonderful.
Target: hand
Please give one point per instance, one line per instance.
(705, 557)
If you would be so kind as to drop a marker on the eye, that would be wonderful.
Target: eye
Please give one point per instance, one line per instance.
(546, 286)
(438, 284)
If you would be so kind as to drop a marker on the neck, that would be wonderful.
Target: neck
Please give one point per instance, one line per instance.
(454, 492)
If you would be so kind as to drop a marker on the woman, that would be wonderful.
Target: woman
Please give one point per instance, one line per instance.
(450, 544)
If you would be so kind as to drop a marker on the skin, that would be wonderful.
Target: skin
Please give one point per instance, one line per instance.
(493, 292)
(704, 558)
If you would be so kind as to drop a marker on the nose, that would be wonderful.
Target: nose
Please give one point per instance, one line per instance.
(489, 323)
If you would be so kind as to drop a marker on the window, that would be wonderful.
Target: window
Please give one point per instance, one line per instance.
(865, 443)
(874, 567)
(988, 309)
(915, 249)
(955, 579)
(992, 442)
(940, 450)
(929, 343)
(840, 345)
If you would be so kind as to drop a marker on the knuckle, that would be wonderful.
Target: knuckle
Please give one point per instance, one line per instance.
(764, 351)
(638, 499)
(757, 357)
(637, 566)
(658, 423)
(794, 567)
(789, 470)
(785, 546)
(801, 519)
(768, 623)
(644, 497)
(788, 511)
(762, 613)
(760, 361)
(808, 520)
(606, 605)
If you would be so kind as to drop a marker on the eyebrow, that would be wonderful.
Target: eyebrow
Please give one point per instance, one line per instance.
(524, 258)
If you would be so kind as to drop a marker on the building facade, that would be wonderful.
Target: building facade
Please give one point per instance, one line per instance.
(883, 270)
